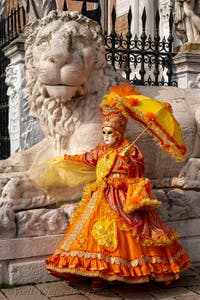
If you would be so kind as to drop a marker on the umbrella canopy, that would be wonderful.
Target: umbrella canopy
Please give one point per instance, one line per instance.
(154, 115)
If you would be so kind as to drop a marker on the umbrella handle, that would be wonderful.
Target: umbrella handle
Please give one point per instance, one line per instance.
(127, 149)
(139, 135)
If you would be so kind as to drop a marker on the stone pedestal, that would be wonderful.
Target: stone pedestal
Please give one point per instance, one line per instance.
(23, 129)
(187, 66)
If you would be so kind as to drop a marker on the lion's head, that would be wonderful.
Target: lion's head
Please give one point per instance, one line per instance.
(67, 73)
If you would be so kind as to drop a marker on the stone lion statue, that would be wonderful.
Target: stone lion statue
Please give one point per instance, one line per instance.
(66, 78)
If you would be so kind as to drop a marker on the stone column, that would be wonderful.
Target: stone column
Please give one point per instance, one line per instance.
(136, 19)
(23, 129)
(187, 66)
(165, 7)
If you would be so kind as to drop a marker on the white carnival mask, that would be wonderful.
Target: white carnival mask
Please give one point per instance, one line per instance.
(110, 135)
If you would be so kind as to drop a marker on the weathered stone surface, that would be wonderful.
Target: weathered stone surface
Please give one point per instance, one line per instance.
(24, 130)
(187, 228)
(56, 289)
(38, 222)
(19, 193)
(70, 209)
(3, 182)
(7, 223)
(192, 246)
(172, 292)
(30, 271)
(23, 293)
(126, 292)
(189, 176)
(187, 23)
(28, 247)
(163, 208)
(184, 204)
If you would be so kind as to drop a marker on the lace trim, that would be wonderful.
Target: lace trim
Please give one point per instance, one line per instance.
(120, 261)
(143, 204)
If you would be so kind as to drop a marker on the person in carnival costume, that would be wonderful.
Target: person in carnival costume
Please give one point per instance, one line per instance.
(115, 234)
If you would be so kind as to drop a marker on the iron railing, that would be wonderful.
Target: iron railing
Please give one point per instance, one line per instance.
(144, 60)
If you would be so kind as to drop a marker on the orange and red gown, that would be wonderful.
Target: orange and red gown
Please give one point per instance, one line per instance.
(116, 233)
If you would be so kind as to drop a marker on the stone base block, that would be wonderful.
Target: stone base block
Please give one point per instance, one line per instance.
(31, 271)
(186, 228)
(21, 248)
(186, 66)
(192, 246)
(22, 260)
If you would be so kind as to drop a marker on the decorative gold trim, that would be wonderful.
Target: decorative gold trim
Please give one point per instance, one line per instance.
(104, 231)
(105, 164)
(82, 218)
(164, 240)
(120, 261)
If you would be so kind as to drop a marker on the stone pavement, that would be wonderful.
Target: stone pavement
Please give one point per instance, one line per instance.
(186, 288)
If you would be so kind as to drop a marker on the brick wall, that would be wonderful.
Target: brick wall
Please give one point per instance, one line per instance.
(72, 5)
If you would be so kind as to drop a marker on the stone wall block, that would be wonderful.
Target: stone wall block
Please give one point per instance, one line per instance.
(192, 246)
(186, 228)
(3, 182)
(19, 193)
(39, 222)
(163, 208)
(7, 223)
(20, 248)
(183, 204)
(31, 271)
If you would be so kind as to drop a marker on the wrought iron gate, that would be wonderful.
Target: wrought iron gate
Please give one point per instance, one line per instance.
(144, 60)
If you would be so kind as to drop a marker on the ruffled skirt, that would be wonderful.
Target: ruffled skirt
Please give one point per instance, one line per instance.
(102, 242)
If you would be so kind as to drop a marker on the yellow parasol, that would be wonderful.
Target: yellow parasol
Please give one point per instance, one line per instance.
(154, 115)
